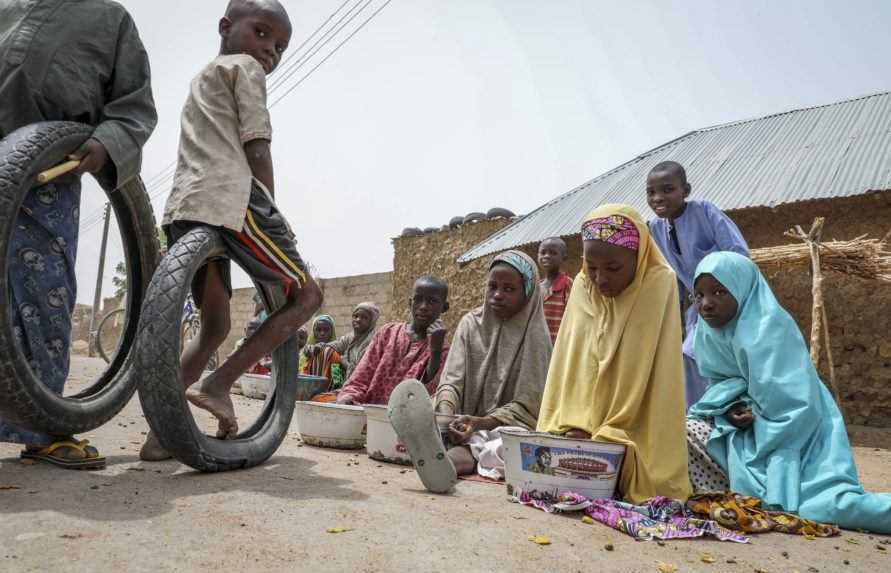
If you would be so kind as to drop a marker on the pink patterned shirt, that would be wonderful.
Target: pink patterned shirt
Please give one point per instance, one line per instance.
(392, 356)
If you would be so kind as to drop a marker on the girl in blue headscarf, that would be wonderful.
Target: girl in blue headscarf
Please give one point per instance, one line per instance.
(777, 432)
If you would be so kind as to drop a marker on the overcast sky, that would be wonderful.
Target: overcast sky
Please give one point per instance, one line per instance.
(442, 107)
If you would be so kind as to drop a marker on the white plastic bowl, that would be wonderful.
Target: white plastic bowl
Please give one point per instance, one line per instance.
(256, 386)
(548, 465)
(382, 440)
(331, 425)
(383, 444)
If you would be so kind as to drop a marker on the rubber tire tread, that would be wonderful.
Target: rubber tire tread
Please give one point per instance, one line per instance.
(157, 360)
(24, 400)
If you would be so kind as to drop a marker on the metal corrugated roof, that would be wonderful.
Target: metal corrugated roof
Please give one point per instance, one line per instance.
(837, 150)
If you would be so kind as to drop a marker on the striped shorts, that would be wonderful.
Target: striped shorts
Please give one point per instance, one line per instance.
(265, 247)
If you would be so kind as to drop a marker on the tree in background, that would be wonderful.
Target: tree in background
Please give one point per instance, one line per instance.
(119, 280)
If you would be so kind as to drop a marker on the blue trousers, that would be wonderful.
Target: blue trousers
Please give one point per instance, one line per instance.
(43, 288)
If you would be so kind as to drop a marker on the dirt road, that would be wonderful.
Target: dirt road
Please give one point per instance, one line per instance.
(134, 516)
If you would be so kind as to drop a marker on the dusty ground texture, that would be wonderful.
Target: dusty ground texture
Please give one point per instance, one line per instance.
(165, 517)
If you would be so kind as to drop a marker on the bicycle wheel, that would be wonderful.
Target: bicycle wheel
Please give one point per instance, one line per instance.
(24, 400)
(157, 360)
(103, 334)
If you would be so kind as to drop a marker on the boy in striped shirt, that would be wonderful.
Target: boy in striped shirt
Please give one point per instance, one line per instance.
(556, 284)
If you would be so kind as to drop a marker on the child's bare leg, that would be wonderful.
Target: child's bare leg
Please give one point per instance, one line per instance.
(213, 392)
(196, 355)
(215, 324)
(463, 460)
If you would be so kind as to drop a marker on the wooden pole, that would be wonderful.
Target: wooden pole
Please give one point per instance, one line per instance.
(819, 321)
(97, 297)
(813, 242)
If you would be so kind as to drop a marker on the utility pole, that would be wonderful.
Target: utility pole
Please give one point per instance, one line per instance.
(97, 298)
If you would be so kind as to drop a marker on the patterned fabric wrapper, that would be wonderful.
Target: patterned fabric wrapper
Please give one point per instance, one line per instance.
(615, 230)
(657, 518)
(744, 513)
(521, 264)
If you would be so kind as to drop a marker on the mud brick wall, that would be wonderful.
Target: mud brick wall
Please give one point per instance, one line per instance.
(859, 311)
(436, 254)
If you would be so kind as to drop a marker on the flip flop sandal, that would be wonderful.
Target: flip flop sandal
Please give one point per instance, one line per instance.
(85, 463)
(411, 413)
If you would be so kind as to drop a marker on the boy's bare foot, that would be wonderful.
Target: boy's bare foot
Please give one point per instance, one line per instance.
(218, 403)
(152, 450)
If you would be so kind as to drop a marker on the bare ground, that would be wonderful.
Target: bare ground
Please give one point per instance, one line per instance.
(135, 516)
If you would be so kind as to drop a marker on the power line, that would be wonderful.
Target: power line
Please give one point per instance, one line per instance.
(286, 62)
(286, 73)
(157, 184)
(326, 58)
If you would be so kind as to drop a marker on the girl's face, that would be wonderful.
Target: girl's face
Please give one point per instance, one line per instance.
(361, 321)
(716, 305)
(505, 294)
(610, 267)
(322, 331)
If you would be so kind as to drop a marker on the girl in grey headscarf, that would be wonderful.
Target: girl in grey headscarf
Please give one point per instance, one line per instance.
(352, 346)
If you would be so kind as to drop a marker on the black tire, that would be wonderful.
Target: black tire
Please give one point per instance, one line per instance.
(474, 217)
(25, 400)
(499, 213)
(157, 360)
(100, 347)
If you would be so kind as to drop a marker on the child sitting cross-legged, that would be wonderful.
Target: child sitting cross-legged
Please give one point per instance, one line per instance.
(400, 350)
(494, 378)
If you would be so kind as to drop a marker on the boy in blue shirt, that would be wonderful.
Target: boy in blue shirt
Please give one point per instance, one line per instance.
(687, 231)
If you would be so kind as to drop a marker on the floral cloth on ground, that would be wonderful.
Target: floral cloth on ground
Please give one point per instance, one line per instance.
(656, 518)
(744, 513)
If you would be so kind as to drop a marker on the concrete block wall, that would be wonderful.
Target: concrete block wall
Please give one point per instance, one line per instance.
(342, 294)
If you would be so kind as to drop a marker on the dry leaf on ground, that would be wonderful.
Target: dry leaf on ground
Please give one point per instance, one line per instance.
(540, 539)
(706, 558)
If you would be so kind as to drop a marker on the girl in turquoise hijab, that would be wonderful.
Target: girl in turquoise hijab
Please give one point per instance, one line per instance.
(795, 454)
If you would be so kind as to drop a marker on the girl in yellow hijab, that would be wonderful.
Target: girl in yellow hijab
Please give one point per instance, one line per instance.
(616, 374)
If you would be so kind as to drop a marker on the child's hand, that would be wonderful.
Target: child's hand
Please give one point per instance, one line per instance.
(92, 155)
(740, 416)
(437, 333)
(577, 434)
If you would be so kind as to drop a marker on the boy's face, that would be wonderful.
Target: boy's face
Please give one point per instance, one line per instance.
(666, 193)
(610, 267)
(427, 304)
(262, 34)
(301, 337)
(505, 294)
(551, 255)
(716, 305)
(361, 321)
(322, 331)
